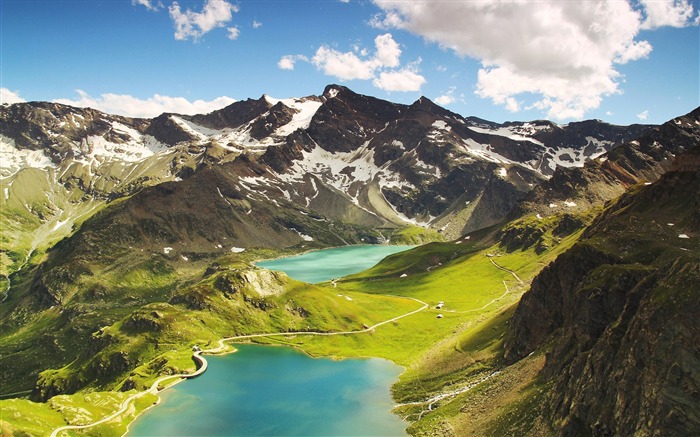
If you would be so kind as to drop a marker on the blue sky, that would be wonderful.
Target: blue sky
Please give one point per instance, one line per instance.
(622, 62)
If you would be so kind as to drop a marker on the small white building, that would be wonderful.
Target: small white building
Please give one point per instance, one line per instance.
(439, 306)
(440, 316)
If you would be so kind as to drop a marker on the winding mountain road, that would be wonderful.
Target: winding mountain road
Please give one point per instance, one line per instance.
(203, 364)
(507, 270)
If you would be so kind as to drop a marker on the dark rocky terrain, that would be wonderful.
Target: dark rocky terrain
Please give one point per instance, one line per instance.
(618, 312)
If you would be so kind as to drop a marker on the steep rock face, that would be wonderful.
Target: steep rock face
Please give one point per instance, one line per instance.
(164, 129)
(344, 121)
(619, 313)
(234, 115)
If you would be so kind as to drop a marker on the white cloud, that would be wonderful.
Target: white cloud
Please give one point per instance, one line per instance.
(382, 67)
(257, 24)
(287, 62)
(447, 98)
(233, 32)
(124, 104)
(9, 97)
(673, 13)
(402, 80)
(444, 99)
(147, 3)
(189, 24)
(644, 115)
(343, 65)
(388, 51)
(557, 56)
(388, 20)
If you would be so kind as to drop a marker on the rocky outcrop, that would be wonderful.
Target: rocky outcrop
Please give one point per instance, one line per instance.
(618, 315)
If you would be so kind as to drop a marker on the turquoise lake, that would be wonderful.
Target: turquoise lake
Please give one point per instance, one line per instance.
(326, 264)
(278, 391)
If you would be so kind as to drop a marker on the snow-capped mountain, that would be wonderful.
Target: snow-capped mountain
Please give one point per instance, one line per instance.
(339, 156)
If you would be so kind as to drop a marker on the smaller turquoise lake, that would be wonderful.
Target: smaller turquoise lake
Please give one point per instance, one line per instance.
(326, 264)
(278, 391)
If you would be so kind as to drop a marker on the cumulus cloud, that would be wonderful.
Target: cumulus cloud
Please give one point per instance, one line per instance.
(673, 13)
(388, 51)
(559, 56)
(189, 24)
(257, 24)
(644, 115)
(148, 4)
(382, 67)
(130, 106)
(402, 80)
(287, 62)
(8, 97)
(447, 98)
(343, 65)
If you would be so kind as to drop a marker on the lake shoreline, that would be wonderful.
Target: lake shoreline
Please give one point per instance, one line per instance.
(295, 353)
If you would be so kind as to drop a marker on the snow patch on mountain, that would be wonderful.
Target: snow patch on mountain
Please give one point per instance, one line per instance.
(95, 147)
(515, 133)
(484, 151)
(13, 159)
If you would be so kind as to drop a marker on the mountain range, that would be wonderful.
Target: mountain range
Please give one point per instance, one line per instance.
(103, 215)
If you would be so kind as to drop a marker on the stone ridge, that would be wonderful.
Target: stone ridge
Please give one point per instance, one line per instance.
(618, 315)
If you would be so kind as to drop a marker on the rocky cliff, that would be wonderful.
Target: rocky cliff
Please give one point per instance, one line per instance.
(618, 315)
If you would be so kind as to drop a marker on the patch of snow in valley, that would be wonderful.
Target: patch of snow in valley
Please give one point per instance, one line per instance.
(167, 250)
(237, 249)
(569, 204)
(13, 159)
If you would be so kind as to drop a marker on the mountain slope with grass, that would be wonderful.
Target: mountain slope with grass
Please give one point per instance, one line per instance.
(126, 241)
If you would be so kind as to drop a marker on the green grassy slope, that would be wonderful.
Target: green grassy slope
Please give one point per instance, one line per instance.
(138, 342)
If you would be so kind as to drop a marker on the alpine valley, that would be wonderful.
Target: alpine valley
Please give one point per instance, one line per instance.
(560, 263)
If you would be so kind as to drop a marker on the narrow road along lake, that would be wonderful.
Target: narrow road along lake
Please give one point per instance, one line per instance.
(278, 391)
(326, 264)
